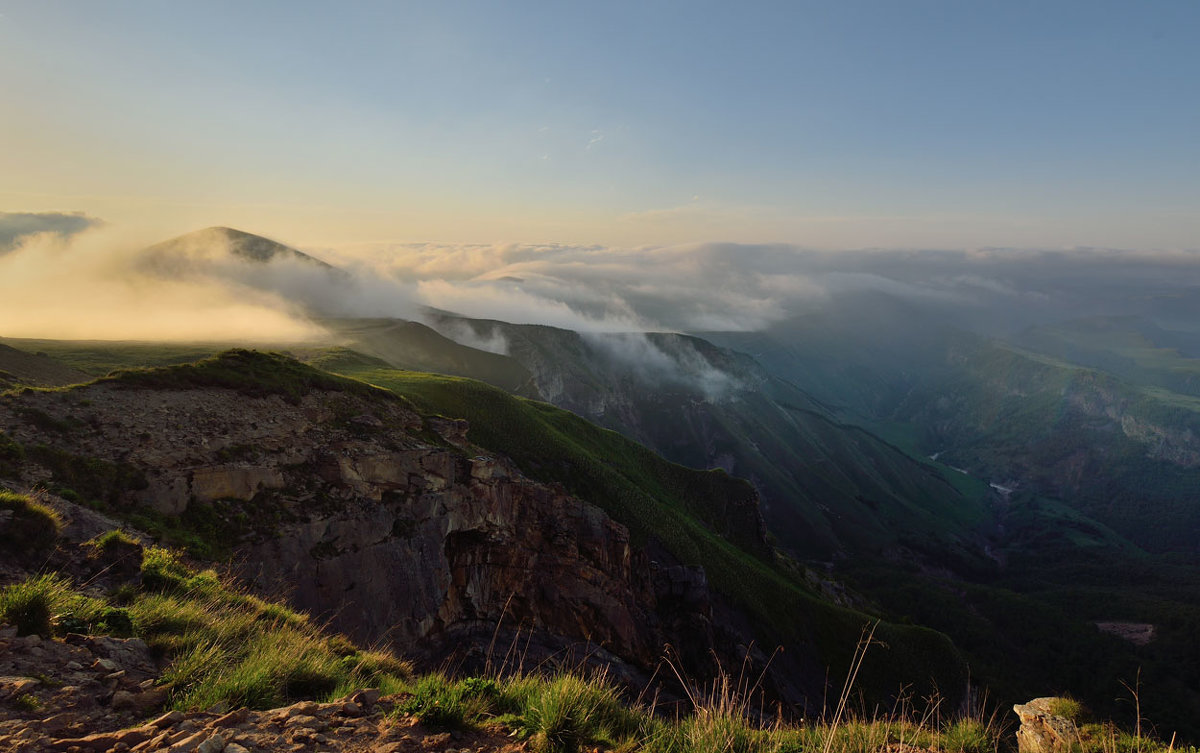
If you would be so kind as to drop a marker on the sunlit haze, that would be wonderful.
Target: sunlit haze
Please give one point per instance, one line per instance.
(824, 125)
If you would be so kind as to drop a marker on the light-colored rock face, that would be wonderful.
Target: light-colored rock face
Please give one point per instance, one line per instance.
(351, 516)
(233, 482)
(1043, 731)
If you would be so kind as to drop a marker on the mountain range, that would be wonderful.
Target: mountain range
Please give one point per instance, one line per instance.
(880, 458)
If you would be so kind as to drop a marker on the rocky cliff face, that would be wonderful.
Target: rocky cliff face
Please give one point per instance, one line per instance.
(363, 513)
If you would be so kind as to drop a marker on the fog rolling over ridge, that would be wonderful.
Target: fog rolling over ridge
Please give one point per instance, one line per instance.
(209, 284)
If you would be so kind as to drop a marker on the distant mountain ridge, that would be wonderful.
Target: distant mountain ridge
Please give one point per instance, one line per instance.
(239, 244)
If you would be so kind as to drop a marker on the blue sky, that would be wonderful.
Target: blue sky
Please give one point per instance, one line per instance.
(847, 124)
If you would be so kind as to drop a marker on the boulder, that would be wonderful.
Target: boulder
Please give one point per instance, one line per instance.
(1042, 730)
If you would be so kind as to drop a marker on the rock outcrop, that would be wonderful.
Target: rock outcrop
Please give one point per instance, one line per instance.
(390, 527)
(1042, 730)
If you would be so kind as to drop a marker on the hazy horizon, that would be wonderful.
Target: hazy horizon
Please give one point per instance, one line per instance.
(75, 277)
(833, 126)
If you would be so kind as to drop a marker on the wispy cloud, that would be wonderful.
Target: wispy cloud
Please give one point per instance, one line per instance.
(16, 227)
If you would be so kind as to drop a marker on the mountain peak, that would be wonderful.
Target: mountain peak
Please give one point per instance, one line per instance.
(239, 243)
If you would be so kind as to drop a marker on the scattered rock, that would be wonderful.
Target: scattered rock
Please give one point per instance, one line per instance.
(214, 744)
(366, 697)
(169, 719)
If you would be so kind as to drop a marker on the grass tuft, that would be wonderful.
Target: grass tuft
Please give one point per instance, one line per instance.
(32, 528)
(113, 541)
(1068, 708)
(562, 714)
(30, 605)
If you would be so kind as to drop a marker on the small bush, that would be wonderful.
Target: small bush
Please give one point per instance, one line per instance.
(440, 702)
(33, 526)
(91, 481)
(30, 604)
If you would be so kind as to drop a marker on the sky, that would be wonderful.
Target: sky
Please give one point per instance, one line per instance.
(834, 125)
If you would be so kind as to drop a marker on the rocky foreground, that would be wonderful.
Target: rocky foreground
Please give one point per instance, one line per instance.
(96, 694)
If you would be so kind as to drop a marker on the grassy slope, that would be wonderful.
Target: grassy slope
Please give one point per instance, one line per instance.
(666, 501)
(225, 648)
(414, 346)
(828, 489)
(99, 357)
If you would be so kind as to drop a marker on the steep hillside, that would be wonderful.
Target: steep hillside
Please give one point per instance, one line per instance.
(394, 523)
(1093, 487)
(414, 346)
(829, 490)
(1125, 455)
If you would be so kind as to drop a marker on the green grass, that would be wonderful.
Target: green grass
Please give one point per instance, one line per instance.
(102, 357)
(226, 649)
(248, 372)
(112, 541)
(30, 605)
(562, 713)
(86, 480)
(12, 456)
(1068, 708)
(49, 605)
(229, 648)
(32, 528)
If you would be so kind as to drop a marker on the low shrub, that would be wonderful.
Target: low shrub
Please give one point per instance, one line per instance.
(30, 605)
(438, 701)
(32, 528)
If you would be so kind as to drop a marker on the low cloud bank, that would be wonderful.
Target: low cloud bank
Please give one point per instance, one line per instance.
(63, 275)
(737, 287)
(91, 288)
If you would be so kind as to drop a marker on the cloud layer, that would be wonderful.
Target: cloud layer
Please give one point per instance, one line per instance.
(63, 276)
(726, 286)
